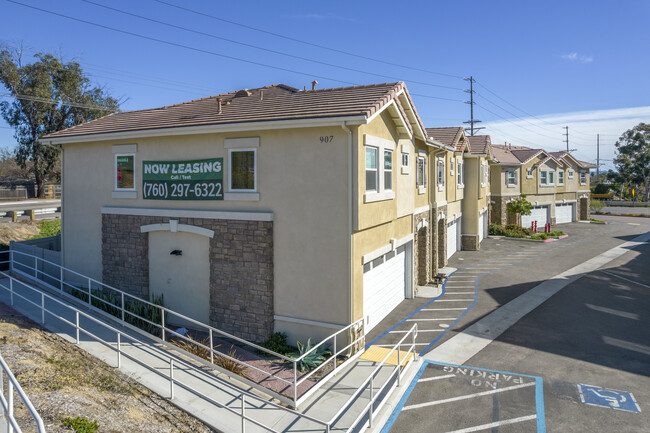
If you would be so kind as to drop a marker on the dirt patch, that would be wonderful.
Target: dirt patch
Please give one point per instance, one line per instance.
(10, 231)
(63, 381)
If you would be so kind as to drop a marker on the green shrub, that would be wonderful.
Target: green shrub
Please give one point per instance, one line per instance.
(277, 343)
(556, 233)
(496, 230)
(80, 425)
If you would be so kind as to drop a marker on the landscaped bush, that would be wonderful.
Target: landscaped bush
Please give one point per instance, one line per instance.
(556, 233)
(496, 230)
(277, 343)
(540, 236)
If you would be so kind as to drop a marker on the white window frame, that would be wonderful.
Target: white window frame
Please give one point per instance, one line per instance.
(551, 177)
(543, 177)
(384, 171)
(484, 169)
(440, 173)
(583, 173)
(405, 163)
(460, 179)
(243, 149)
(514, 178)
(451, 166)
(376, 169)
(421, 183)
(381, 145)
(529, 172)
(570, 174)
(560, 177)
(116, 188)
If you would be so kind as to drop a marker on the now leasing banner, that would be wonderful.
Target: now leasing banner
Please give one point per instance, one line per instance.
(200, 179)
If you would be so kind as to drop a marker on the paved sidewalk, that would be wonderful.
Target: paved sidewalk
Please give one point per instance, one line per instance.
(215, 399)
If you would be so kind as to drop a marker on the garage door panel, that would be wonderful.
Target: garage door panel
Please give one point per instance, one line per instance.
(452, 239)
(564, 213)
(384, 286)
(538, 213)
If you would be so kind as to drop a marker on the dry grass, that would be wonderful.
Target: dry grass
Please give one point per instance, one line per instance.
(231, 364)
(194, 347)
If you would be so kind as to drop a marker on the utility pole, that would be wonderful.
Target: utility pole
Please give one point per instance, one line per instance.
(597, 157)
(471, 103)
(567, 138)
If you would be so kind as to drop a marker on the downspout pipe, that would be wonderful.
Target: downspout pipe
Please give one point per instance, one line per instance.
(350, 216)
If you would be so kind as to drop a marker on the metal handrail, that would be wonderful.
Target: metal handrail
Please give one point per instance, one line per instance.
(243, 395)
(8, 402)
(369, 409)
(123, 296)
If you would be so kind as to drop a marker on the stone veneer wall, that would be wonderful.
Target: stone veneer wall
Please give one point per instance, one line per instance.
(422, 250)
(241, 268)
(498, 213)
(583, 209)
(442, 236)
(469, 242)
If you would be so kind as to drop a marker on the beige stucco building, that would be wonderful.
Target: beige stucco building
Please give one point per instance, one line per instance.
(556, 184)
(262, 210)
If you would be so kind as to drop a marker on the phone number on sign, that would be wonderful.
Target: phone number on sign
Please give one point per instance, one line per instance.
(182, 190)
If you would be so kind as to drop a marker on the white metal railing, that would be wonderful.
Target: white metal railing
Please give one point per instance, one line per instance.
(7, 400)
(175, 364)
(394, 379)
(117, 301)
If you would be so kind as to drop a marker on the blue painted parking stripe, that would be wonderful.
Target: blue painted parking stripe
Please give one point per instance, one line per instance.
(402, 401)
(539, 405)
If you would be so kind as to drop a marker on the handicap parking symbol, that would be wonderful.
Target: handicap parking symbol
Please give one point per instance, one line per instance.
(605, 397)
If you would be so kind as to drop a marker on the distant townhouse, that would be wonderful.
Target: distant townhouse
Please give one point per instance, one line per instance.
(267, 209)
(556, 184)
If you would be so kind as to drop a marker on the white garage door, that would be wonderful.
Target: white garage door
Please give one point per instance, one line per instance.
(452, 238)
(537, 213)
(384, 285)
(563, 213)
(481, 226)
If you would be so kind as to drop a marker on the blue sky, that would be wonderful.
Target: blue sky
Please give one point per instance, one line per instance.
(539, 65)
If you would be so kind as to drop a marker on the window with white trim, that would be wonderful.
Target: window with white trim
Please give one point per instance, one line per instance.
(451, 166)
(543, 177)
(570, 174)
(560, 177)
(483, 170)
(372, 178)
(405, 159)
(125, 172)
(512, 178)
(242, 170)
(551, 178)
(441, 172)
(529, 172)
(583, 177)
(388, 169)
(421, 175)
(461, 174)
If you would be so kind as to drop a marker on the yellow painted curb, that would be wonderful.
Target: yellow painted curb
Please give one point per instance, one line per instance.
(377, 354)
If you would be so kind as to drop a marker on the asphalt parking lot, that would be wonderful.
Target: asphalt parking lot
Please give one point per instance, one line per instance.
(585, 348)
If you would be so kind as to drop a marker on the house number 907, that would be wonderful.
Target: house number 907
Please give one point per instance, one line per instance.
(326, 138)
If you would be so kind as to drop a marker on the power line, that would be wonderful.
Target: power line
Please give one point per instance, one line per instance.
(293, 56)
(306, 42)
(200, 50)
(51, 102)
(521, 109)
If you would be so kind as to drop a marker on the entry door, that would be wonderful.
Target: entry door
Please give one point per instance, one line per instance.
(184, 279)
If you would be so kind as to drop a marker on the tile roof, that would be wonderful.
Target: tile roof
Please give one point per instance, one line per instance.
(562, 155)
(453, 136)
(479, 144)
(514, 154)
(276, 102)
